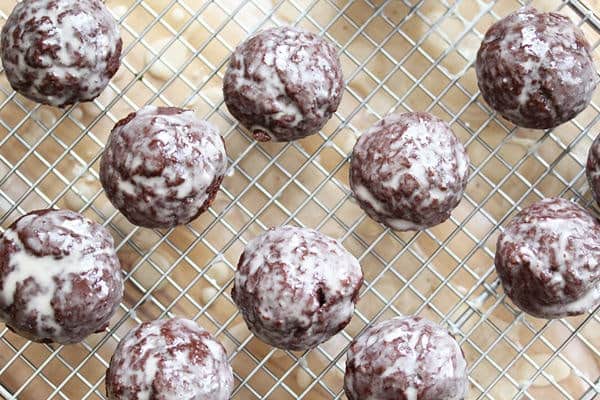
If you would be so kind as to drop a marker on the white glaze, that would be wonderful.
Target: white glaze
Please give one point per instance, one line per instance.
(363, 194)
(303, 259)
(416, 136)
(532, 43)
(137, 361)
(411, 393)
(66, 35)
(270, 84)
(404, 225)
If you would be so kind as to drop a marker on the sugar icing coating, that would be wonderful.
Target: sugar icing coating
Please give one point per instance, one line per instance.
(162, 166)
(169, 359)
(593, 169)
(536, 69)
(283, 84)
(548, 259)
(405, 358)
(60, 278)
(60, 52)
(295, 287)
(409, 171)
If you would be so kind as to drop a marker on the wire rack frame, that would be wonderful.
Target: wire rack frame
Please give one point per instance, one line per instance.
(466, 317)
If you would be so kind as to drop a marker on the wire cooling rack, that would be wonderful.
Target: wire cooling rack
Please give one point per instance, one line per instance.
(397, 55)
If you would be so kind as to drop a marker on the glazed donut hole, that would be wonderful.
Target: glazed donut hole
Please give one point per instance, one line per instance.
(162, 166)
(283, 83)
(296, 287)
(535, 69)
(383, 362)
(61, 278)
(544, 258)
(78, 65)
(409, 171)
(169, 357)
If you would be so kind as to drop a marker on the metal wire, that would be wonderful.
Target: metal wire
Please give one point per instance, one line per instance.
(427, 269)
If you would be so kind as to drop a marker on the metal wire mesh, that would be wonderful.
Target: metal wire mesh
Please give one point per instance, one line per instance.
(397, 55)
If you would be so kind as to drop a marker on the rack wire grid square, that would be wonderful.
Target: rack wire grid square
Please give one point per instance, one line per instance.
(397, 55)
